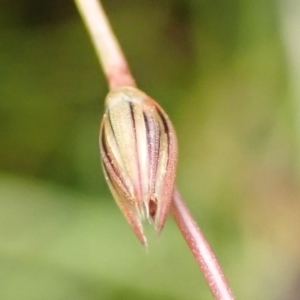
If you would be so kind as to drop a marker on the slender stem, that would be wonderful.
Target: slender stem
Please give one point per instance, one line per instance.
(200, 249)
(117, 73)
(109, 53)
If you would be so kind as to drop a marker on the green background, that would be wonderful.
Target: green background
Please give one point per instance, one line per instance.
(227, 73)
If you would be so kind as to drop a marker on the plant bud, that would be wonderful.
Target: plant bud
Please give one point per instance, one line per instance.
(138, 148)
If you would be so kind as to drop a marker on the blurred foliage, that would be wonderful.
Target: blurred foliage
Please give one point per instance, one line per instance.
(224, 72)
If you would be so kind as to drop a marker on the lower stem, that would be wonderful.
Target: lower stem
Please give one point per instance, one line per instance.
(201, 250)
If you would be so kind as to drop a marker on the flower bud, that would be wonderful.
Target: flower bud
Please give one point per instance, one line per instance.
(138, 148)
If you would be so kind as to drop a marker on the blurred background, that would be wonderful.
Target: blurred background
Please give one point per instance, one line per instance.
(227, 73)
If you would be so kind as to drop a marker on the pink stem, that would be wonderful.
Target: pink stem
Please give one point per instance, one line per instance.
(200, 249)
(109, 53)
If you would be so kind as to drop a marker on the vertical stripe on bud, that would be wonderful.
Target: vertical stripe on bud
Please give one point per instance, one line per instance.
(139, 155)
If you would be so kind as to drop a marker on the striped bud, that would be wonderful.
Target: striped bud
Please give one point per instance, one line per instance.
(139, 155)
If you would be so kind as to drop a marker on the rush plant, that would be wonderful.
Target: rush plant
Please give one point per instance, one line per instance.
(138, 149)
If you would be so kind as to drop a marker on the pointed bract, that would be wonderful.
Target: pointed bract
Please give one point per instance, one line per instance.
(138, 148)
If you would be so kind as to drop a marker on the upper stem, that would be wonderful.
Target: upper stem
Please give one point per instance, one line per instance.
(108, 50)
